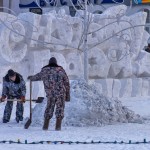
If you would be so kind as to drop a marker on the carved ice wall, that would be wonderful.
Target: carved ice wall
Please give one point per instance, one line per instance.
(115, 47)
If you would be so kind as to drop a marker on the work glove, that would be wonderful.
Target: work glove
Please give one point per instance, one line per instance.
(2, 99)
(29, 77)
(23, 99)
(68, 98)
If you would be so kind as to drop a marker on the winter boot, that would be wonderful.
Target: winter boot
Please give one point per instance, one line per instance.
(46, 124)
(5, 121)
(58, 124)
(17, 120)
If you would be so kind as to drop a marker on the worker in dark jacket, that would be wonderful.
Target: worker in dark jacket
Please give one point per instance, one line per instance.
(57, 88)
(13, 88)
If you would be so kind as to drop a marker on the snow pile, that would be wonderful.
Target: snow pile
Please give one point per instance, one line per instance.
(88, 107)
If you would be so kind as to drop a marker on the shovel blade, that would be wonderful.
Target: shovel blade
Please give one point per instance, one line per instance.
(27, 124)
(39, 100)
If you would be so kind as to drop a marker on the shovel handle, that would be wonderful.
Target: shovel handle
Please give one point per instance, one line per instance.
(19, 100)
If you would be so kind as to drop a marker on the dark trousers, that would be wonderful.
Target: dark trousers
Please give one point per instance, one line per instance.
(8, 111)
(53, 101)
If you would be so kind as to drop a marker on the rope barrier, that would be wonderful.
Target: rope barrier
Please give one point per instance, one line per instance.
(71, 142)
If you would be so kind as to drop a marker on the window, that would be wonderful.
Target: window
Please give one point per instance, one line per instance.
(72, 10)
(97, 12)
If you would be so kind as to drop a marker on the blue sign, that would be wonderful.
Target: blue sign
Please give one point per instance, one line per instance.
(143, 1)
(33, 4)
(112, 1)
(43, 3)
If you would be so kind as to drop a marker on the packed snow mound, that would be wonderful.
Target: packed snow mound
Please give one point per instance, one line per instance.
(88, 107)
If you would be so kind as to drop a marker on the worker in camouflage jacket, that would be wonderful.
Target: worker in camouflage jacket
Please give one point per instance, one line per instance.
(57, 88)
(13, 88)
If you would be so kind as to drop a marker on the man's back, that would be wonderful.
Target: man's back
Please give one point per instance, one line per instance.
(53, 78)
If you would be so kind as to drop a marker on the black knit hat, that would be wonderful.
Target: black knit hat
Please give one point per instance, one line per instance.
(52, 60)
(11, 73)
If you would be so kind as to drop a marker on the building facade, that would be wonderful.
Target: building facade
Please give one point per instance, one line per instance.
(42, 6)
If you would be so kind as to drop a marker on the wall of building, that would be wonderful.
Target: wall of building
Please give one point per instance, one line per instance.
(15, 6)
(70, 10)
(1, 4)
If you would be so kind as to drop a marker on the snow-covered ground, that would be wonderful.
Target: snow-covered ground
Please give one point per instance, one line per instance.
(119, 132)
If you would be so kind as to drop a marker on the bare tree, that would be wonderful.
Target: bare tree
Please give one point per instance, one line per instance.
(85, 48)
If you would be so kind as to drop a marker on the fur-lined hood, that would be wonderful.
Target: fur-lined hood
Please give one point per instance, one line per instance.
(17, 81)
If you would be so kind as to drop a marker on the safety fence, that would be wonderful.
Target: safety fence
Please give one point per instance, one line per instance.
(71, 142)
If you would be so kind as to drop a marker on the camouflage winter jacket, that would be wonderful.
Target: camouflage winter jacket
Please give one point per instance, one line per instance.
(55, 81)
(15, 88)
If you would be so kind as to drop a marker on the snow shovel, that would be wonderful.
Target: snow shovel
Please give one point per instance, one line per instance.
(27, 124)
(38, 100)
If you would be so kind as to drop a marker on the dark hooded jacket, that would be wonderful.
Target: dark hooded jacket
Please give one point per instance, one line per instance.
(55, 80)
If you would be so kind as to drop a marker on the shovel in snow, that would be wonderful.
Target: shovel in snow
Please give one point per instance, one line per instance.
(27, 124)
(39, 100)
